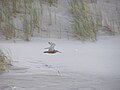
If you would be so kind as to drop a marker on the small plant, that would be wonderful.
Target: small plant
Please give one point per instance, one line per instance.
(52, 2)
(35, 18)
(14, 10)
(26, 29)
(118, 16)
(8, 25)
(4, 61)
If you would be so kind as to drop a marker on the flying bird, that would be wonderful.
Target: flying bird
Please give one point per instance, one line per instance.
(51, 49)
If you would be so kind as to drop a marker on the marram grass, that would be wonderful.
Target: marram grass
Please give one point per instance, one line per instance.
(4, 61)
(12, 9)
(84, 24)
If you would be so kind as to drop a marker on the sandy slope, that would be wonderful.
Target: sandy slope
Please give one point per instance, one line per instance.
(80, 66)
(101, 57)
(68, 81)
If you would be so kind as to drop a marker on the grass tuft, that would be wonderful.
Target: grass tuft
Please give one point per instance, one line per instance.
(4, 61)
(84, 24)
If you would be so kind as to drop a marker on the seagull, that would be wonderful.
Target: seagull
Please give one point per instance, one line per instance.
(51, 49)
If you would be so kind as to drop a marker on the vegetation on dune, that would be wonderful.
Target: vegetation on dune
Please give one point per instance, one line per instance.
(4, 61)
(22, 10)
(31, 14)
(84, 24)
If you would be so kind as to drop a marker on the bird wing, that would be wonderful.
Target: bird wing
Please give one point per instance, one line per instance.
(52, 45)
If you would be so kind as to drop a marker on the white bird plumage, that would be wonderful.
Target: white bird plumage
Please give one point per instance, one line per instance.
(51, 48)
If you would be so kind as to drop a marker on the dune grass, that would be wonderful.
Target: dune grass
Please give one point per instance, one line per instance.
(33, 19)
(12, 9)
(4, 61)
(84, 24)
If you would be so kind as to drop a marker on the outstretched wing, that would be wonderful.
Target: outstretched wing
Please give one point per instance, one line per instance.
(52, 45)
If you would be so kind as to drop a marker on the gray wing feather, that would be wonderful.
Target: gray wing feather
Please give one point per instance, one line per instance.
(51, 48)
(52, 45)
